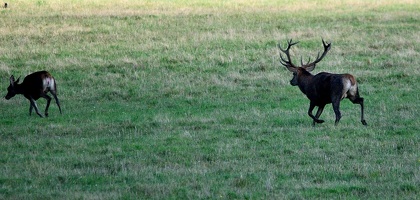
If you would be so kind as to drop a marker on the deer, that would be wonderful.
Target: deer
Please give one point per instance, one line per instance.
(323, 88)
(34, 86)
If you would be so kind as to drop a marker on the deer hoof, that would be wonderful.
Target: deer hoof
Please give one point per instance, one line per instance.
(320, 121)
(364, 122)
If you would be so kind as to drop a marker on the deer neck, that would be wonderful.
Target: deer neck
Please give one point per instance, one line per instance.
(19, 88)
(304, 82)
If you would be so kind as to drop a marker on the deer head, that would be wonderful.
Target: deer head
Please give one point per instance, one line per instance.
(11, 90)
(304, 68)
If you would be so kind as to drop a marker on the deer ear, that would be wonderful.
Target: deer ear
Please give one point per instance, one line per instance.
(309, 68)
(12, 80)
(292, 69)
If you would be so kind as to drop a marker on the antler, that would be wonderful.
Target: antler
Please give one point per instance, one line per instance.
(287, 63)
(310, 66)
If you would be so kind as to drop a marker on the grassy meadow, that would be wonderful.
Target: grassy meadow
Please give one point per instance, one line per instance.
(187, 100)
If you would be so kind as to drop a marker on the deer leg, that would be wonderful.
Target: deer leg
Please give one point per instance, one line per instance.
(33, 105)
(30, 108)
(48, 98)
(318, 113)
(311, 108)
(359, 100)
(362, 115)
(56, 100)
(336, 108)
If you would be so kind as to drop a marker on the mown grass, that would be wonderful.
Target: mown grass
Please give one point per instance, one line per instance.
(187, 100)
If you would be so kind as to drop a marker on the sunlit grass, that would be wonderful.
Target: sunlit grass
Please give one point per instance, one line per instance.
(126, 7)
(187, 100)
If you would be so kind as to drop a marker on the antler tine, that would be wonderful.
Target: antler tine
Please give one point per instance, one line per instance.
(317, 57)
(283, 61)
(327, 47)
(301, 61)
(325, 44)
(289, 44)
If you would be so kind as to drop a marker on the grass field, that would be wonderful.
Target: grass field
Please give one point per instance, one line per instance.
(187, 100)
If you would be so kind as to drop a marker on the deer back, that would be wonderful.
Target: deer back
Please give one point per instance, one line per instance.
(38, 83)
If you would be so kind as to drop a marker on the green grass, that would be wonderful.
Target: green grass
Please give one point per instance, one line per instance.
(187, 100)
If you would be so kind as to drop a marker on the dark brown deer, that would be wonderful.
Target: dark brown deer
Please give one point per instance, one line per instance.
(33, 87)
(322, 88)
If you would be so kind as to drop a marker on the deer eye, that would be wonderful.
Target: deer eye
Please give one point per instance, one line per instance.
(294, 73)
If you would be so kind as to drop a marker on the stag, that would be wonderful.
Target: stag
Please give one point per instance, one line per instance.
(33, 87)
(323, 88)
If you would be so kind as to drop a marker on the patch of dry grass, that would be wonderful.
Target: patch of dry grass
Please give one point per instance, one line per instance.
(127, 7)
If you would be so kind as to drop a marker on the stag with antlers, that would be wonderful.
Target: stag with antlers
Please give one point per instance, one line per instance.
(323, 88)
